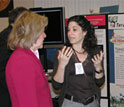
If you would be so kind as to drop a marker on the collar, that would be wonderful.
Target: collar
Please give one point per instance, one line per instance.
(36, 53)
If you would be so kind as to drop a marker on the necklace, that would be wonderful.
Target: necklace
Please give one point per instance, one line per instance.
(78, 52)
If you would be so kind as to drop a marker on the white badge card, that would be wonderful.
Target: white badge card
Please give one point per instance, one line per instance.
(79, 68)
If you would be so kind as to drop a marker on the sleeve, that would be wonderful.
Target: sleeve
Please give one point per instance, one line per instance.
(24, 82)
(55, 84)
(100, 82)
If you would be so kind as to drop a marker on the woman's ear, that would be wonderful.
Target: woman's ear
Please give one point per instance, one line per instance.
(84, 33)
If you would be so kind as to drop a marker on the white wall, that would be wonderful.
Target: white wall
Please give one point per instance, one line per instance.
(73, 7)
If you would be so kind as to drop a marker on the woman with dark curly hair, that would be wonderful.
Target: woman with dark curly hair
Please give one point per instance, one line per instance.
(78, 71)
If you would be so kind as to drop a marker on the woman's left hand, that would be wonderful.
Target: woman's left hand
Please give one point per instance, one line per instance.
(97, 60)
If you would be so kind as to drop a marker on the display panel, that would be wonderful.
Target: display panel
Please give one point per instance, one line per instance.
(51, 53)
(116, 58)
(56, 24)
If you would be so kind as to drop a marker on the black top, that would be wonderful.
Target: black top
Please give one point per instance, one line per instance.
(4, 56)
(80, 86)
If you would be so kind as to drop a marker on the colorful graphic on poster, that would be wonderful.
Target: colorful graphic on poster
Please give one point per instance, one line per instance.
(97, 20)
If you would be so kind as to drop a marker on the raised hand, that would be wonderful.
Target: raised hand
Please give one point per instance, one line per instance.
(63, 58)
(97, 60)
(64, 55)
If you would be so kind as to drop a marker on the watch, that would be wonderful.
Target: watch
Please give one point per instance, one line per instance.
(98, 72)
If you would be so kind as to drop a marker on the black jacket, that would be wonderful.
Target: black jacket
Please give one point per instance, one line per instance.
(4, 56)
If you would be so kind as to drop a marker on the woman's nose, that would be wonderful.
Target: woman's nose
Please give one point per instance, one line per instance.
(44, 34)
(69, 32)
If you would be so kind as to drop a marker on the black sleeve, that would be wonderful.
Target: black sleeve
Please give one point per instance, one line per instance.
(100, 82)
(56, 85)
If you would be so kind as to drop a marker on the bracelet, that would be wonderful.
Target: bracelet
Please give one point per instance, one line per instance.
(99, 72)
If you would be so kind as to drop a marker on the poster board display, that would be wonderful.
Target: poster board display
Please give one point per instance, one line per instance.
(116, 59)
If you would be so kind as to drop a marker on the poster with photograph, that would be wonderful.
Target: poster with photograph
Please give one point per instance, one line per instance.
(116, 59)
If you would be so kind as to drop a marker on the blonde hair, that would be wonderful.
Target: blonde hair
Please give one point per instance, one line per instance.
(26, 30)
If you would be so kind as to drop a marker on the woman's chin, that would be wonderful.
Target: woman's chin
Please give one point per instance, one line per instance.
(40, 47)
(72, 42)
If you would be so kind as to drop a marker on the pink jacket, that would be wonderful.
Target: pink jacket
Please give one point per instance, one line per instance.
(26, 80)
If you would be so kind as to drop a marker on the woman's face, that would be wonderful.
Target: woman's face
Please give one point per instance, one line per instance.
(39, 42)
(75, 33)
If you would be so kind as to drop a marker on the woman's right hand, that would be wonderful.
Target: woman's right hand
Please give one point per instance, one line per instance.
(64, 55)
(63, 58)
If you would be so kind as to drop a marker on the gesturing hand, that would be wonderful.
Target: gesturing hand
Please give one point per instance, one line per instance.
(64, 55)
(97, 60)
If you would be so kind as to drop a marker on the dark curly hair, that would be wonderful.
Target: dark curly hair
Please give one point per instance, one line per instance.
(90, 40)
(13, 14)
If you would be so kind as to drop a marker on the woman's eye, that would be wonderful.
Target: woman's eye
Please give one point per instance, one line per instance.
(74, 29)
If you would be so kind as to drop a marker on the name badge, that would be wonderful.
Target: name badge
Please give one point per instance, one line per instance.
(79, 68)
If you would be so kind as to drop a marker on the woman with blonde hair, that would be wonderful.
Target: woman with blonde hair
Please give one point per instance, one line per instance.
(26, 80)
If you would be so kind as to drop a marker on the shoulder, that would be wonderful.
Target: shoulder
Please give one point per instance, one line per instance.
(21, 54)
(20, 59)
